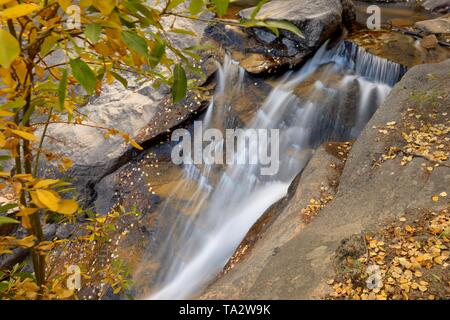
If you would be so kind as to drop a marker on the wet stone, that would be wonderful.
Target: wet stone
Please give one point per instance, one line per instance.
(429, 42)
(265, 36)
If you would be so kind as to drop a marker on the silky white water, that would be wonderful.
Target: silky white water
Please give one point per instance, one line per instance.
(225, 201)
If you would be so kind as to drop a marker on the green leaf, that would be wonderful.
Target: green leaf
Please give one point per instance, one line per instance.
(221, 6)
(6, 220)
(93, 31)
(135, 42)
(16, 104)
(179, 86)
(196, 6)
(3, 286)
(6, 207)
(183, 31)
(257, 9)
(286, 25)
(28, 114)
(192, 55)
(62, 90)
(9, 48)
(84, 75)
(156, 54)
(174, 4)
(119, 78)
(48, 44)
(105, 6)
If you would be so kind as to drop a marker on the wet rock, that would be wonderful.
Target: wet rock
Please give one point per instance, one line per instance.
(257, 63)
(64, 231)
(265, 36)
(261, 52)
(9, 260)
(110, 295)
(316, 19)
(441, 6)
(291, 46)
(429, 42)
(435, 26)
(49, 231)
(93, 154)
(401, 22)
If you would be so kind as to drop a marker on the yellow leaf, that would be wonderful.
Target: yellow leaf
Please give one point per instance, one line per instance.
(4, 1)
(67, 163)
(104, 6)
(40, 72)
(101, 219)
(64, 4)
(25, 135)
(45, 183)
(423, 288)
(5, 113)
(26, 223)
(60, 291)
(19, 10)
(24, 176)
(49, 198)
(21, 70)
(26, 212)
(85, 3)
(36, 200)
(9, 50)
(2, 140)
(67, 207)
(135, 144)
(4, 174)
(27, 242)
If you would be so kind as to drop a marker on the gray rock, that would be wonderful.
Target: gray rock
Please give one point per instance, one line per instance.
(318, 20)
(265, 36)
(105, 194)
(49, 231)
(291, 46)
(435, 26)
(64, 231)
(442, 6)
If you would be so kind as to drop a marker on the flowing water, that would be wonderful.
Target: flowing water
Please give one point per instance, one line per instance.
(330, 98)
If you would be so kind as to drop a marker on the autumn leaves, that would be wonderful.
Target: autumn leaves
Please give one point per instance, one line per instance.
(43, 193)
(412, 257)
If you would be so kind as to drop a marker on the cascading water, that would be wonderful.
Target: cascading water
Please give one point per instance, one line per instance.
(331, 98)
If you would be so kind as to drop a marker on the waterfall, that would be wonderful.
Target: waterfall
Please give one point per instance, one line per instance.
(330, 98)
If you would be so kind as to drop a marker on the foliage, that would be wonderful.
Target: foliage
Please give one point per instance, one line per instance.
(54, 54)
(410, 256)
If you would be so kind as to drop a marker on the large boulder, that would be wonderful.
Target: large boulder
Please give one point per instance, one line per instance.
(387, 174)
(261, 51)
(317, 19)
